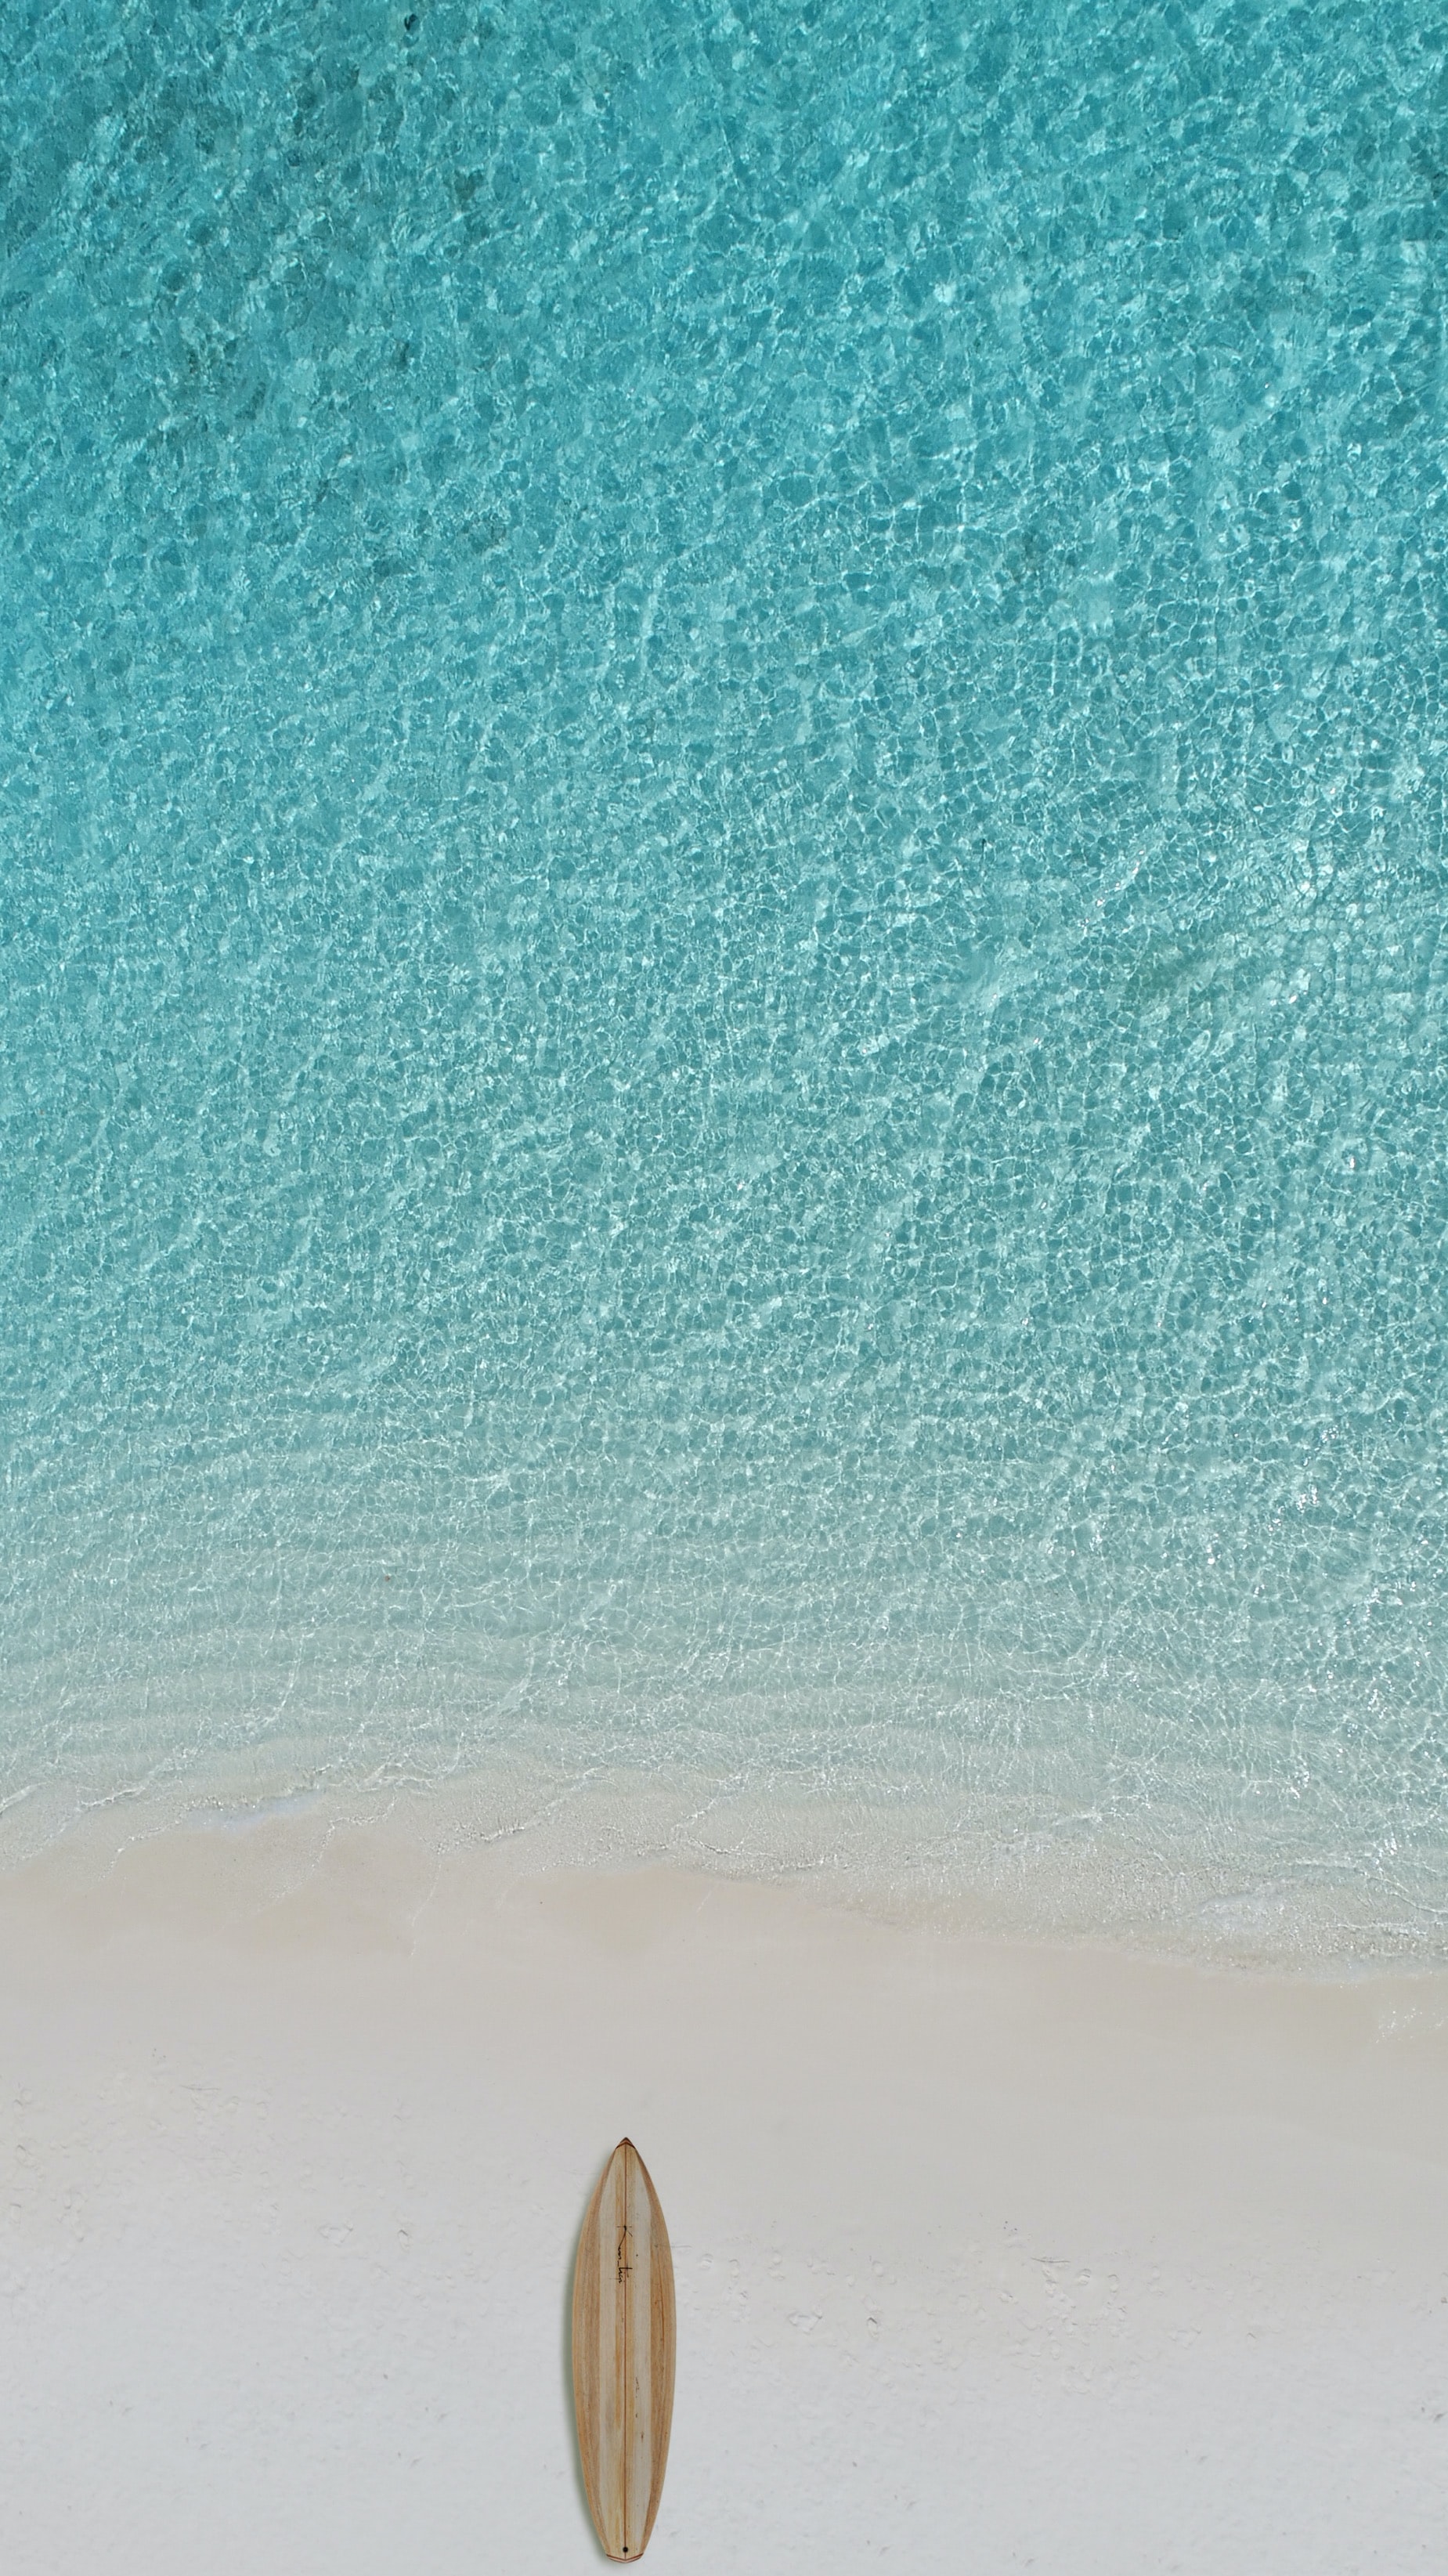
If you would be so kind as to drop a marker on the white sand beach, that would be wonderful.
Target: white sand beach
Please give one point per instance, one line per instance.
(990, 2255)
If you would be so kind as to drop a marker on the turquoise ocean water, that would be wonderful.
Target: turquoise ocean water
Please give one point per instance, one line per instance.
(725, 918)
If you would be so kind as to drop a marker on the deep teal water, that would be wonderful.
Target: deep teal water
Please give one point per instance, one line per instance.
(724, 898)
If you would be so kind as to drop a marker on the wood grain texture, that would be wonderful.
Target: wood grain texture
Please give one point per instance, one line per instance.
(623, 2353)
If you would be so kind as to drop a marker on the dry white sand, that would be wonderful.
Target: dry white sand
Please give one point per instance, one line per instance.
(989, 2256)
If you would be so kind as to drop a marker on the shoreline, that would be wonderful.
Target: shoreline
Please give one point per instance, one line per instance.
(987, 1866)
(995, 2251)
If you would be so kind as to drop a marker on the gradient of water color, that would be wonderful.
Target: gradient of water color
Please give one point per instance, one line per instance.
(724, 900)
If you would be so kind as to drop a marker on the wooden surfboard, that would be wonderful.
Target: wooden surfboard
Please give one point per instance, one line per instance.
(623, 2353)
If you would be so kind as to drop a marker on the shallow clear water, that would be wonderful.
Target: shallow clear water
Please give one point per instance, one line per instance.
(724, 896)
